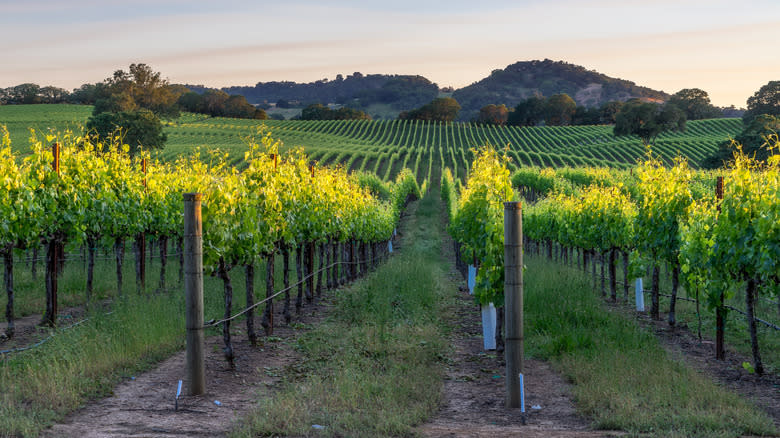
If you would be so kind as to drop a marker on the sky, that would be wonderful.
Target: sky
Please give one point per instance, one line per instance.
(727, 48)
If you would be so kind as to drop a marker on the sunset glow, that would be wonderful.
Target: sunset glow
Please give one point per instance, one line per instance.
(727, 49)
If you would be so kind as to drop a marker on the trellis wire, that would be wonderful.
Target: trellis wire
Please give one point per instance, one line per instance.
(43, 341)
(303, 279)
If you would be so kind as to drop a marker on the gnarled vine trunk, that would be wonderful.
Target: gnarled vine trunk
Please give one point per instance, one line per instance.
(249, 271)
(268, 315)
(8, 257)
(228, 293)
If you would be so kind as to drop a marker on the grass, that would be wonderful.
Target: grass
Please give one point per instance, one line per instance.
(374, 367)
(737, 336)
(39, 387)
(42, 385)
(623, 379)
(43, 118)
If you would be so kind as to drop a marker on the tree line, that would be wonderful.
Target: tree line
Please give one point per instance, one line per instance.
(130, 104)
(139, 87)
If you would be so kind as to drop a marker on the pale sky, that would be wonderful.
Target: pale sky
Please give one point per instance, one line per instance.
(725, 47)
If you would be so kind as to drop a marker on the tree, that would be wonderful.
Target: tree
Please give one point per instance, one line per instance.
(765, 101)
(647, 120)
(138, 129)
(236, 106)
(754, 140)
(608, 111)
(114, 103)
(147, 89)
(217, 103)
(586, 116)
(260, 114)
(529, 112)
(400, 92)
(192, 102)
(695, 103)
(441, 109)
(214, 102)
(345, 113)
(88, 94)
(52, 94)
(559, 110)
(26, 93)
(493, 115)
(317, 111)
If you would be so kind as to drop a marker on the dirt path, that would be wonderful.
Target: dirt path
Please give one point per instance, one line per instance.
(474, 392)
(144, 405)
(473, 396)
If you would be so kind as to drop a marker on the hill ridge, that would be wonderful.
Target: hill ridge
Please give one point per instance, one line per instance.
(507, 86)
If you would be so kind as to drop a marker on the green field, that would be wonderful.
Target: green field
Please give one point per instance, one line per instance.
(385, 147)
(19, 119)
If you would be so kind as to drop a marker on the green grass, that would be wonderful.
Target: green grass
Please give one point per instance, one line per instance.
(374, 367)
(737, 336)
(623, 379)
(40, 386)
(19, 119)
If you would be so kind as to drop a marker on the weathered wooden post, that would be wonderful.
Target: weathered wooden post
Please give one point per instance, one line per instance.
(193, 290)
(720, 320)
(52, 258)
(141, 245)
(513, 301)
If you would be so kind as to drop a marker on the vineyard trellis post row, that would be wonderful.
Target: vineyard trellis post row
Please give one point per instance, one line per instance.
(193, 290)
(142, 241)
(513, 300)
(52, 261)
(720, 323)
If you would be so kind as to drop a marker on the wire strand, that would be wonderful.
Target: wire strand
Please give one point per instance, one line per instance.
(287, 289)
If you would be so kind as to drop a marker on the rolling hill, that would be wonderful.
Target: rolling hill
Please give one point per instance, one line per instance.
(403, 92)
(521, 80)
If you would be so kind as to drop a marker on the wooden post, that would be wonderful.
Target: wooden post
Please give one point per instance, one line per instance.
(720, 323)
(141, 239)
(55, 151)
(52, 260)
(143, 170)
(59, 256)
(513, 300)
(193, 289)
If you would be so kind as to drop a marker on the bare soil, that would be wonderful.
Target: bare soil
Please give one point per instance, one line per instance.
(145, 405)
